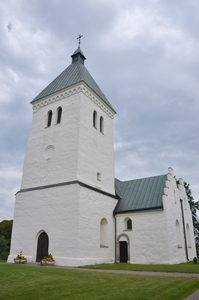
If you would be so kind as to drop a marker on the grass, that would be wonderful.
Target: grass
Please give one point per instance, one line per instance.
(178, 268)
(27, 282)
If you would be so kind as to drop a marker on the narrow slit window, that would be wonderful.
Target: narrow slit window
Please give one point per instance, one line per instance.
(101, 124)
(178, 233)
(99, 176)
(59, 115)
(188, 236)
(95, 119)
(49, 118)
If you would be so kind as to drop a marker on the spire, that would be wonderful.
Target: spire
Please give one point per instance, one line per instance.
(75, 73)
(79, 38)
(78, 55)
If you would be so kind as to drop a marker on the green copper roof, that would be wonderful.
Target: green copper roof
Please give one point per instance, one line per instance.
(140, 194)
(74, 73)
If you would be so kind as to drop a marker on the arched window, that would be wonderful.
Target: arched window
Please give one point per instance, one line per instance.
(129, 224)
(59, 114)
(178, 233)
(101, 124)
(104, 233)
(49, 118)
(95, 119)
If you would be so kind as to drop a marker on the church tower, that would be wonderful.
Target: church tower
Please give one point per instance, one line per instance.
(67, 196)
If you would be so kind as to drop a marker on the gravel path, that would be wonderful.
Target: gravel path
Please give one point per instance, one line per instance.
(147, 273)
(194, 296)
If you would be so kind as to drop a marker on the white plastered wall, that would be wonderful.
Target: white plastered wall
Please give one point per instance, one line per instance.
(148, 239)
(53, 210)
(93, 208)
(79, 151)
(153, 238)
(71, 216)
(95, 149)
(173, 211)
(63, 137)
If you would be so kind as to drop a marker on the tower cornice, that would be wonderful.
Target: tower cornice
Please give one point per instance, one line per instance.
(80, 88)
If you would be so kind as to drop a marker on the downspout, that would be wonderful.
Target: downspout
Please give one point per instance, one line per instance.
(115, 236)
(185, 239)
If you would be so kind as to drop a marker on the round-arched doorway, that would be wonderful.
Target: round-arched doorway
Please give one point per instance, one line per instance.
(123, 248)
(42, 246)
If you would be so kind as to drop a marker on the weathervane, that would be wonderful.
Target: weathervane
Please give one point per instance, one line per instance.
(79, 38)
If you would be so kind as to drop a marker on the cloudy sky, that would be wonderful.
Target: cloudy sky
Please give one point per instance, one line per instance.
(144, 56)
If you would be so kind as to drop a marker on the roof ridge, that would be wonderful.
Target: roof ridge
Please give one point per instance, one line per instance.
(128, 180)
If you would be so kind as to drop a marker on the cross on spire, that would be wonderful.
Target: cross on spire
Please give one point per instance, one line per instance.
(79, 38)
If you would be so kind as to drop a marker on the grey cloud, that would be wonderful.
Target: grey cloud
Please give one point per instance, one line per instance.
(150, 78)
(9, 26)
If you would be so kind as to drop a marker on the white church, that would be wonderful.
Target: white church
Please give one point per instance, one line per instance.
(71, 205)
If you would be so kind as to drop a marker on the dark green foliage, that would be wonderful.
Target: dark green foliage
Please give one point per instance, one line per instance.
(194, 205)
(6, 229)
(5, 235)
(4, 255)
(4, 244)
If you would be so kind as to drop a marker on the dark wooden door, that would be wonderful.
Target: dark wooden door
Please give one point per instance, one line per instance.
(42, 246)
(123, 252)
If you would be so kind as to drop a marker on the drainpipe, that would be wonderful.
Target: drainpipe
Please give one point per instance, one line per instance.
(185, 239)
(115, 236)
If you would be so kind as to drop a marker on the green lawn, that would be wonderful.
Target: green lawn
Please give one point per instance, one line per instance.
(26, 282)
(179, 268)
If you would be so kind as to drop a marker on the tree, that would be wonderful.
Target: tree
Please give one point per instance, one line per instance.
(4, 244)
(5, 235)
(194, 205)
(6, 229)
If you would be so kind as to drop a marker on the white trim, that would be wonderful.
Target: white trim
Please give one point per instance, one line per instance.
(72, 91)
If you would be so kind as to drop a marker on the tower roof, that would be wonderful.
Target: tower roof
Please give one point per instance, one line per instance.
(74, 73)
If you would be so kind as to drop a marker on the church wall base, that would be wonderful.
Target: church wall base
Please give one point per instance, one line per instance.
(11, 259)
(75, 262)
(70, 261)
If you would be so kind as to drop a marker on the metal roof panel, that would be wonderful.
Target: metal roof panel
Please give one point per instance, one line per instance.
(140, 194)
